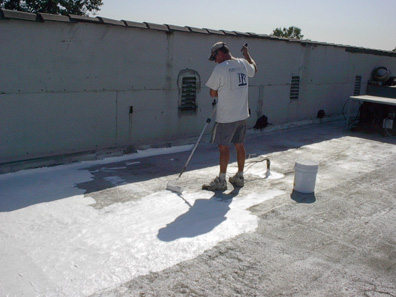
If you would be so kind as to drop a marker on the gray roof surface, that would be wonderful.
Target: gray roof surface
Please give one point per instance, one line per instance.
(337, 241)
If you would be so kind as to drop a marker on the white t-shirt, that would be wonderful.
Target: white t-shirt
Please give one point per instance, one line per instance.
(230, 79)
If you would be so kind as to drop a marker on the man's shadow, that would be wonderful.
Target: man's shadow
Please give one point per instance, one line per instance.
(201, 218)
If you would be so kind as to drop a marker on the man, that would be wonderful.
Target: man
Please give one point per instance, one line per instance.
(229, 83)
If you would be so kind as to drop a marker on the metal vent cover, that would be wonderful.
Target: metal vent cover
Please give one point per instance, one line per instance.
(358, 85)
(294, 87)
(188, 93)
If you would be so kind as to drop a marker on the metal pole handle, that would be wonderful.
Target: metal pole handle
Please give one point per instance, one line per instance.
(208, 120)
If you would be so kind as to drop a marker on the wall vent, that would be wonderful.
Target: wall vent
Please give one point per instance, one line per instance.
(189, 85)
(188, 93)
(294, 87)
(358, 85)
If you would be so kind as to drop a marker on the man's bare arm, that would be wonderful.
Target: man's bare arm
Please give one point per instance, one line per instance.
(247, 56)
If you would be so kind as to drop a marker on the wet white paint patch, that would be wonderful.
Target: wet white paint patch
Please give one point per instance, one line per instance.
(131, 163)
(115, 180)
(53, 243)
(267, 174)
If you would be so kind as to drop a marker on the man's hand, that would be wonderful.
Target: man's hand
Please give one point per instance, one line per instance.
(213, 93)
(244, 50)
(247, 56)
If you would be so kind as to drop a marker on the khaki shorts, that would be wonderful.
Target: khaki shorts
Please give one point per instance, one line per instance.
(227, 133)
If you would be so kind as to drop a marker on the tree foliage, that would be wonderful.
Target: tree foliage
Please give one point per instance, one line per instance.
(78, 7)
(291, 32)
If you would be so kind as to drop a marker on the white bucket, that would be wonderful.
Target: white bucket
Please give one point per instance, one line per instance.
(305, 176)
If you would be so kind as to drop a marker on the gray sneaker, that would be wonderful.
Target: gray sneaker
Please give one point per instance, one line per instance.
(216, 185)
(237, 181)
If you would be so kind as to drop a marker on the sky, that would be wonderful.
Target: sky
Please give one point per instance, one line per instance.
(363, 23)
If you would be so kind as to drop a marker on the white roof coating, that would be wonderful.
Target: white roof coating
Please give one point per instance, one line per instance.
(102, 228)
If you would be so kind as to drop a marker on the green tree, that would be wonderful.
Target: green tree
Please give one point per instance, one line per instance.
(291, 32)
(78, 7)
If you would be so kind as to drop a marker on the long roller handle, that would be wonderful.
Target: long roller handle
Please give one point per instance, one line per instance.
(208, 120)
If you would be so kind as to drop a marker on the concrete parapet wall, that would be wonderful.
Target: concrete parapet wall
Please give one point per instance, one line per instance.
(73, 84)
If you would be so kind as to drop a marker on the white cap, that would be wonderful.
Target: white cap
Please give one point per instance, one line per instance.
(215, 47)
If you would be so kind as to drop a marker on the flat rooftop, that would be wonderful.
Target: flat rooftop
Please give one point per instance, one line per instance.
(110, 228)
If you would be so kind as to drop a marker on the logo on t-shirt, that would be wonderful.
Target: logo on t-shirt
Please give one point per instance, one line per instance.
(242, 79)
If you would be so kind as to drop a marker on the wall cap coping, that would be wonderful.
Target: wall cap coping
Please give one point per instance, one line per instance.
(135, 24)
(242, 33)
(157, 27)
(212, 31)
(264, 36)
(198, 30)
(53, 17)
(177, 28)
(83, 18)
(111, 21)
(233, 33)
(252, 34)
(71, 18)
(18, 15)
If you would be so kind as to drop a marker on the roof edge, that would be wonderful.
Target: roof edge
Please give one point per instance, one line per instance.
(6, 14)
